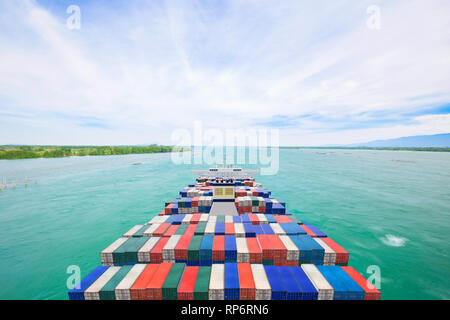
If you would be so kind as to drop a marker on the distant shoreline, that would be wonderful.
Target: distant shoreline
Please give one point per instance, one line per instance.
(430, 149)
(36, 152)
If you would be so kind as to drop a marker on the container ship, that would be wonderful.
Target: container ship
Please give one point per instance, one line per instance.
(225, 237)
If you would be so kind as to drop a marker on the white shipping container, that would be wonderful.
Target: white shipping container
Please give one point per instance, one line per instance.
(329, 257)
(277, 229)
(204, 217)
(243, 254)
(168, 251)
(263, 290)
(325, 290)
(187, 218)
(292, 250)
(262, 218)
(106, 255)
(216, 282)
(210, 228)
(149, 231)
(144, 251)
(93, 292)
(212, 219)
(239, 230)
(228, 219)
(122, 290)
(158, 219)
(132, 231)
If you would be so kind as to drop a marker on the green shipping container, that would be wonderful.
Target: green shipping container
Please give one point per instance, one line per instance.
(295, 219)
(220, 219)
(119, 253)
(182, 229)
(107, 292)
(202, 283)
(170, 286)
(140, 232)
(267, 262)
(255, 202)
(200, 230)
(131, 255)
(194, 248)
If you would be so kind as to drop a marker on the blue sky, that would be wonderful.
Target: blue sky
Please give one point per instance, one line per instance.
(138, 70)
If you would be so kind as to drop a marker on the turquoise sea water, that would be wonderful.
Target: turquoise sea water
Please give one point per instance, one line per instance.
(388, 209)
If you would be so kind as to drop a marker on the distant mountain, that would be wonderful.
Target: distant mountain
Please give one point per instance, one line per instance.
(432, 141)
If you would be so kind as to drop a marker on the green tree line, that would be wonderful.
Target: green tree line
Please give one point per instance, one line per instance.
(31, 152)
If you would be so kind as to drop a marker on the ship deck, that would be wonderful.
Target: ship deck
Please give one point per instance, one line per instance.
(223, 209)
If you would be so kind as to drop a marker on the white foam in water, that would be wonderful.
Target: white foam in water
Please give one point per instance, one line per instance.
(393, 241)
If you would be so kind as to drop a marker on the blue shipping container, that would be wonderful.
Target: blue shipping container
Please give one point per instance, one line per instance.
(220, 229)
(309, 292)
(77, 293)
(231, 282)
(230, 249)
(276, 283)
(293, 291)
(355, 291)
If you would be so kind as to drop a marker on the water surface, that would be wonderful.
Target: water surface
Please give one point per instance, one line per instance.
(389, 209)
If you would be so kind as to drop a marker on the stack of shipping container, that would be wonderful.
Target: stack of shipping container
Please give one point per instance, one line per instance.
(264, 253)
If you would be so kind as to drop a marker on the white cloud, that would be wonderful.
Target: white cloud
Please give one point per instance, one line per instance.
(147, 68)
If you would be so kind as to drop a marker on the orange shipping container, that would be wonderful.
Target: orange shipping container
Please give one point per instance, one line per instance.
(154, 287)
(171, 230)
(138, 290)
(308, 232)
(187, 283)
(254, 250)
(229, 229)
(246, 282)
(156, 253)
(342, 255)
(161, 229)
(372, 293)
(282, 219)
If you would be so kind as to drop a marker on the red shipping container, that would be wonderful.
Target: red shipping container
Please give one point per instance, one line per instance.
(156, 253)
(241, 193)
(266, 246)
(253, 218)
(308, 232)
(138, 290)
(282, 219)
(162, 213)
(161, 229)
(261, 209)
(218, 249)
(182, 246)
(229, 229)
(254, 250)
(171, 230)
(191, 229)
(246, 282)
(154, 287)
(280, 251)
(342, 255)
(196, 218)
(372, 293)
(247, 209)
(187, 283)
(195, 201)
(169, 208)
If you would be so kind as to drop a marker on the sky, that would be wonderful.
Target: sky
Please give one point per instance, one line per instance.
(319, 72)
